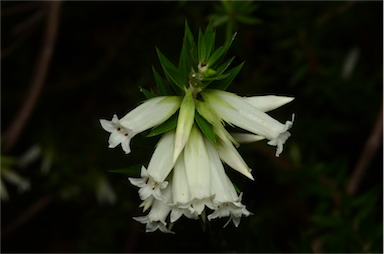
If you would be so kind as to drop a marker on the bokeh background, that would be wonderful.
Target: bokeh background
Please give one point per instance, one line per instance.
(65, 65)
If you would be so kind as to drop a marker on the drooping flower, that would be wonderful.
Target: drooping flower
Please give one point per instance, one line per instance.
(147, 115)
(161, 162)
(197, 171)
(155, 219)
(238, 111)
(186, 174)
(148, 186)
(226, 200)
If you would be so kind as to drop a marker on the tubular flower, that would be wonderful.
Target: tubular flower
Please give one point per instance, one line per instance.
(186, 174)
(238, 111)
(148, 115)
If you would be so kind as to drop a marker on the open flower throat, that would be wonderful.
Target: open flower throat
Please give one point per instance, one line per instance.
(186, 174)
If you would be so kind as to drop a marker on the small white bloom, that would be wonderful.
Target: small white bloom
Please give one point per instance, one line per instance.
(147, 115)
(148, 186)
(156, 217)
(233, 210)
(161, 162)
(119, 134)
(238, 111)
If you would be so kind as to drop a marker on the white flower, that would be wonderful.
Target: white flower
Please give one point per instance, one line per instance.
(119, 134)
(236, 110)
(233, 210)
(161, 162)
(197, 170)
(181, 199)
(147, 115)
(156, 217)
(148, 186)
(226, 199)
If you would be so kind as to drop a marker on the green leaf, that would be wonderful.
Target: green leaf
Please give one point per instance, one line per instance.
(201, 50)
(133, 170)
(148, 94)
(224, 83)
(224, 66)
(168, 125)
(220, 52)
(205, 127)
(191, 46)
(186, 59)
(209, 38)
(164, 89)
(171, 72)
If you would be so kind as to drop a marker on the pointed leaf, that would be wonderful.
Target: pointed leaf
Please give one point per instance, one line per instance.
(148, 94)
(209, 37)
(205, 127)
(168, 125)
(220, 52)
(201, 48)
(171, 72)
(164, 89)
(191, 46)
(224, 83)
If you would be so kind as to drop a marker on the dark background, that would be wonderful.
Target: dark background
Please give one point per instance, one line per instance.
(323, 194)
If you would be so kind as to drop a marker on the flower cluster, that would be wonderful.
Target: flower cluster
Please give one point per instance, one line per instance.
(186, 174)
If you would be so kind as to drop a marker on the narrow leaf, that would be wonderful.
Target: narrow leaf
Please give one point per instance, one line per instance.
(209, 38)
(205, 127)
(171, 72)
(224, 83)
(148, 94)
(201, 48)
(168, 125)
(164, 89)
(220, 52)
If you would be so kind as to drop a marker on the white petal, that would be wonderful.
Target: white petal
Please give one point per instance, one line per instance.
(246, 137)
(231, 156)
(197, 166)
(180, 187)
(268, 102)
(161, 162)
(150, 113)
(138, 182)
(221, 185)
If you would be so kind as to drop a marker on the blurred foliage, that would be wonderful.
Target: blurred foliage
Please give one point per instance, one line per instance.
(328, 55)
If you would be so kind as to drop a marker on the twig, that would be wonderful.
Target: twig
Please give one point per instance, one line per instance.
(42, 66)
(370, 148)
(34, 209)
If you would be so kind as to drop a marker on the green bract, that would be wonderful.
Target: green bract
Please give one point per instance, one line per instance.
(200, 66)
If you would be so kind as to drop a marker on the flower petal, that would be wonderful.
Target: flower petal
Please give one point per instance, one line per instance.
(231, 156)
(161, 162)
(268, 102)
(246, 137)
